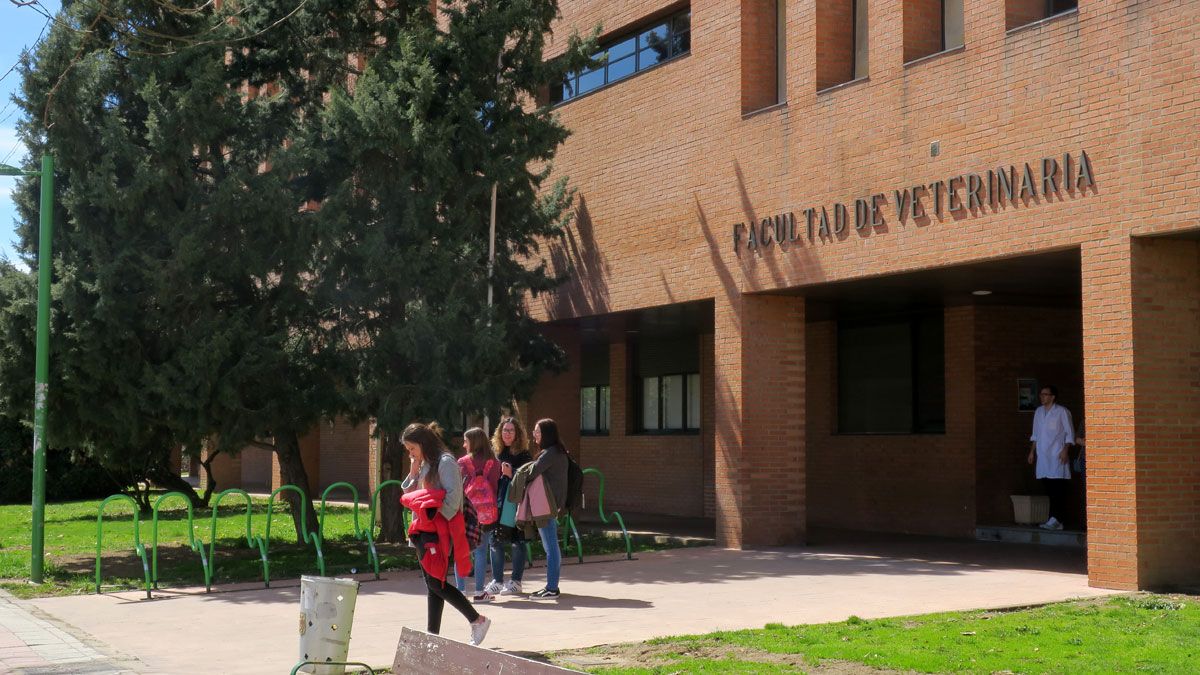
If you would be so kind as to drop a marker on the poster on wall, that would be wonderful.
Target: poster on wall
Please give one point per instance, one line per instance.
(1027, 394)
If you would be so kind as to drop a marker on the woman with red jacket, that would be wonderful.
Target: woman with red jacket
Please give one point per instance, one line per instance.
(433, 489)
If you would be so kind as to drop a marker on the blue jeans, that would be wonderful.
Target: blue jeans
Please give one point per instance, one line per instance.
(480, 556)
(549, 535)
(518, 557)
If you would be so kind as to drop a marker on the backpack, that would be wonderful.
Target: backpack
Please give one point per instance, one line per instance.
(574, 499)
(480, 493)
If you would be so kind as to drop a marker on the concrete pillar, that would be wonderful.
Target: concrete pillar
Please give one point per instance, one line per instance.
(759, 375)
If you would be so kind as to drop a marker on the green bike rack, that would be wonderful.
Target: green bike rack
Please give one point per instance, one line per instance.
(332, 663)
(137, 538)
(361, 534)
(565, 522)
(371, 552)
(252, 540)
(604, 519)
(313, 538)
(197, 547)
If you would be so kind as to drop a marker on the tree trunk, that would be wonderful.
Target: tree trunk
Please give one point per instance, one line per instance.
(394, 468)
(210, 484)
(291, 470)
(172, 482)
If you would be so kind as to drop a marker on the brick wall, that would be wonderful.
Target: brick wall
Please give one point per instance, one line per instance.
(1166, 334)
(345, 456)
(663, 474)
(922, 28)
(917, 483)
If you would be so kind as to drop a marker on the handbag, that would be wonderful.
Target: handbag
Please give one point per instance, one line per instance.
(508, 510)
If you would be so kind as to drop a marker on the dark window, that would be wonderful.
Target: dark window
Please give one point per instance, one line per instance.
(594, 396)
(594, 410)
(669, 374)
(661, 41)
(891, 376)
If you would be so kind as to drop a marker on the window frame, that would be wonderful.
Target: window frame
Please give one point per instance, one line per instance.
(912, 321)
(601, 408)
(668, 23)
(684, 405)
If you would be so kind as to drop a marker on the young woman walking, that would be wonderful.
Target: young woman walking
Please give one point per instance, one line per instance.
(552, 466)
(434, 471)
(480, 461)
(511, 446)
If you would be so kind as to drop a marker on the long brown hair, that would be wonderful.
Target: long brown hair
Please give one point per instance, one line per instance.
(520, 441)
(477, 446)
(549, 429)
(429, 438)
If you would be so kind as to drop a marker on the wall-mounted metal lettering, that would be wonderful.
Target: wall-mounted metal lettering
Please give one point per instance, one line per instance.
(964, 193)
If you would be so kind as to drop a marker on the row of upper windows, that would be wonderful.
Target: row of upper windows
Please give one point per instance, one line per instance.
(650, 46)
(932, 26)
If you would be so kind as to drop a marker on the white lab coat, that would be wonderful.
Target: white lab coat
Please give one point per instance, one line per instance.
(1052, 429)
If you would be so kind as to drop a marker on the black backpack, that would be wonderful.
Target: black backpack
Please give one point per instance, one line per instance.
(574, 500)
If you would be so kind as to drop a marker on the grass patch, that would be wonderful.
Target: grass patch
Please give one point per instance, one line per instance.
(70, 546)
(1127, 634)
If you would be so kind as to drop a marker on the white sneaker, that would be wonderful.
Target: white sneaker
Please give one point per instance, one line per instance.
(511, 587)
(479, 631)
(1051, 524)
(493, 587)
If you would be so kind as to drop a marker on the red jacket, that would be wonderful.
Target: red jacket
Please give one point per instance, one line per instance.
(451, 534)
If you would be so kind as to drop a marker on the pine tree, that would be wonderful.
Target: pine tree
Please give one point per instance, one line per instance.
(406, 160)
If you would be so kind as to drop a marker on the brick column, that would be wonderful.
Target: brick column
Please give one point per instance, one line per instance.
(760, 420)
(1166, 346)
(557, 395)
(1109, 394)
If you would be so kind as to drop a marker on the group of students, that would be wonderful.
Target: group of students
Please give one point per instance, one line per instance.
(434, 492)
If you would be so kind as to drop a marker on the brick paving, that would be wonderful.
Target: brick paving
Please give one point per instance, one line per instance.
(248, 629)
(32, 643)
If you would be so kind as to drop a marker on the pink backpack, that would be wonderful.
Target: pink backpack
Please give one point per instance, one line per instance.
(482, 495)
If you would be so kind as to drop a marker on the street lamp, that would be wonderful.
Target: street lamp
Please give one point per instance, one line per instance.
(42, 366)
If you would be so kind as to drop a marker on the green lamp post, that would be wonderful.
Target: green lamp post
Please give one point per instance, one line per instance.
(42, 367)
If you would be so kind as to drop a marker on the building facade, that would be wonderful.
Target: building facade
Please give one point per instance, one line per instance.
(823, 250)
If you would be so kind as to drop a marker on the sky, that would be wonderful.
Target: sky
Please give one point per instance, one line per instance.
(20, 28)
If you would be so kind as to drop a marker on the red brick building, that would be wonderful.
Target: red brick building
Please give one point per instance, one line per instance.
(789, 214)
(822, 248)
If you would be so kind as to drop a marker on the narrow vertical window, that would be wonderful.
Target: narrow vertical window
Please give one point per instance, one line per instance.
(842, 38)
(931, 26)
(861, 39)
(762, 53)
(1017, 13)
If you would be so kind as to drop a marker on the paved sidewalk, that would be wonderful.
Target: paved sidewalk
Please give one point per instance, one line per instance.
(31, 643)
(255, 630)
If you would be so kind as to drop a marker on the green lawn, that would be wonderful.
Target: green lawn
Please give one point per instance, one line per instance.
(71, 546)
(1127, 634)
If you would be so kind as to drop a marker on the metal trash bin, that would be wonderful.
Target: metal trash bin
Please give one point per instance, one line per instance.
(326, 614)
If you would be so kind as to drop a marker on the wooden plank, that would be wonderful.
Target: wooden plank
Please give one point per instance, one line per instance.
(421, 653)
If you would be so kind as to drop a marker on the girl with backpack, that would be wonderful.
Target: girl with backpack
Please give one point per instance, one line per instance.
(480, 477)
(511, 446)
(552, 465)
(435, 478)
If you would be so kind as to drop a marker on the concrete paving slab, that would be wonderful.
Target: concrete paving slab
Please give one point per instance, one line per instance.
(250, 630)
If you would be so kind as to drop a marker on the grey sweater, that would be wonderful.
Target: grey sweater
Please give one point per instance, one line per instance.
(450, 476)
